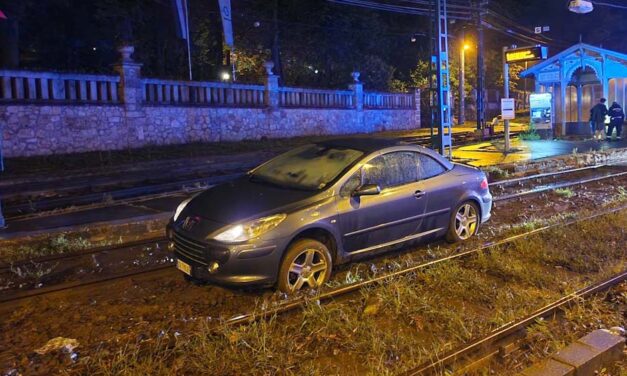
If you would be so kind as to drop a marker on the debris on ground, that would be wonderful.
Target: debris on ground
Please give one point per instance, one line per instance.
(58, 343)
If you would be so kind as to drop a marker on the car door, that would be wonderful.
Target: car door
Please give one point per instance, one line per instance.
(441, 191)
(396, 212)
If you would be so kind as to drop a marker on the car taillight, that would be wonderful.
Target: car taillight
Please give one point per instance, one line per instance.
(484, 183)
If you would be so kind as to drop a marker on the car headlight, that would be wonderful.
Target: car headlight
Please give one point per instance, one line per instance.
(180, 208)
(249, 230)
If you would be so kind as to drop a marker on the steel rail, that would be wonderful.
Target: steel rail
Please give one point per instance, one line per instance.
(19, 295)
(83, 252)
(335, 293)
(162, 239)
(300, 301)
(209, 181)
(557, 186)
(482, 348)
(547, 174)
(297, 303)
(5, 267)
(134, 194)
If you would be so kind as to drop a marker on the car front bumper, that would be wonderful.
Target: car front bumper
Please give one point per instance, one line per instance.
(254, 263)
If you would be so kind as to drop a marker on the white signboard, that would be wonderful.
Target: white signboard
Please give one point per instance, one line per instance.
(508, 109)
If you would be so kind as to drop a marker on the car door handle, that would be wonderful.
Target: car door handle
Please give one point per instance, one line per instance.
(419, 194)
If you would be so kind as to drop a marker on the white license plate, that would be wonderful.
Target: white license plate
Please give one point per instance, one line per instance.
(184, 267)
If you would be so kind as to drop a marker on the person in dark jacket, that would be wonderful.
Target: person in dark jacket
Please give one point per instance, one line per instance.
(617, 117)
(597, 119)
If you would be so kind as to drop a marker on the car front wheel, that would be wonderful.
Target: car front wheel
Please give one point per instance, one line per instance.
(307, 264)
(464, 222)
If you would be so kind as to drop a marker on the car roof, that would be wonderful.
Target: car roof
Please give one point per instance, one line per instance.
(372, 144)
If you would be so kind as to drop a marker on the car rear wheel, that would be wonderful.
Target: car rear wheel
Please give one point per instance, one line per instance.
(307, 264)
(464, 222)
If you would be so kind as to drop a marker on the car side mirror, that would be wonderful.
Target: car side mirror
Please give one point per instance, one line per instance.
(367, 190)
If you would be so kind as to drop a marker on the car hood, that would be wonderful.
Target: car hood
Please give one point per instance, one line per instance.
(243, 199)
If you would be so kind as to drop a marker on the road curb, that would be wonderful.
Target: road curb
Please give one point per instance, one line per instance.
(583, 357)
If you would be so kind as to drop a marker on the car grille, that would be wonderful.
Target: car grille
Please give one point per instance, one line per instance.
(192, 249)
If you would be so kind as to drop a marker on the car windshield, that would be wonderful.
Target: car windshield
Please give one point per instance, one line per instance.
(307, 167)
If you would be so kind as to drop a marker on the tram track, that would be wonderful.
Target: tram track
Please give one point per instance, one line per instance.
(500, 341)
(196, 185)
(222, 324)
(293, 303)
(161, 243)
(17, 210)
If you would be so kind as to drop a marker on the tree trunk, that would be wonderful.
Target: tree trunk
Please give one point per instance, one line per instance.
(216, 39)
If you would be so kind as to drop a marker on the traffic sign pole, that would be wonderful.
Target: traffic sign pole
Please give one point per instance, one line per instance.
(506, 95)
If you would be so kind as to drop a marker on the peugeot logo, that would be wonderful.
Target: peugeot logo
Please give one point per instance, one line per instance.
(190, 222)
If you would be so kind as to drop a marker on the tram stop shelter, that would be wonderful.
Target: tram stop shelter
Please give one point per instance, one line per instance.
(578, 77)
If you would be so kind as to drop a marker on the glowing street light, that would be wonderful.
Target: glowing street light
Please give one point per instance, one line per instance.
(580, 6)
(225, 76)
(462, 94)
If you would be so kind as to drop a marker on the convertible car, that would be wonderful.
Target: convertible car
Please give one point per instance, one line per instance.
(287, 222)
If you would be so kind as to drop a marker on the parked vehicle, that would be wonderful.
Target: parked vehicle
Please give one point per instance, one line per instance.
(290, 220)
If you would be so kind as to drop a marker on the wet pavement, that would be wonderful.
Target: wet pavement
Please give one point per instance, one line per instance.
(492, 153)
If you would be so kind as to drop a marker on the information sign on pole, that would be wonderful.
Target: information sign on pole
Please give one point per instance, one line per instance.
(520, 55)
(508, 109)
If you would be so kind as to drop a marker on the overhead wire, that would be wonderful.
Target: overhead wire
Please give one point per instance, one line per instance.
(452, 14)
(609, 5)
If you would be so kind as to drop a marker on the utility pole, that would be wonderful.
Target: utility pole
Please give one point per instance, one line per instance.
(462, 75)
(480, 68)
(506, 95)
(443, 107)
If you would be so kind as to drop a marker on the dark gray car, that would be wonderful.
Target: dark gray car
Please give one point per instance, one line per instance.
(288, 221)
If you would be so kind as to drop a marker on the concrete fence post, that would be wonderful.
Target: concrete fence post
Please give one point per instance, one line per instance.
(131, 94)
(416, 107)
(358, 91)
(130, 90)
(271, 93)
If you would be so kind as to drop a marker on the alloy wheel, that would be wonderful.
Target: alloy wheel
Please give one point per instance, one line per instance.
(466, 221)
(308, 267)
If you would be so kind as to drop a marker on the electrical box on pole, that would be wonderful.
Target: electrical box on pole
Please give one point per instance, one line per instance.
(442, 99)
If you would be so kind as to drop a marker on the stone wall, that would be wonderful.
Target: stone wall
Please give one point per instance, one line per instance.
(30, 129)
(47, 113)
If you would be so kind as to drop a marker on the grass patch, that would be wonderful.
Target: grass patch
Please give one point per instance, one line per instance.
(495, 173)
(564, 192)
(411, 318)
(52, 246)
(529, 135)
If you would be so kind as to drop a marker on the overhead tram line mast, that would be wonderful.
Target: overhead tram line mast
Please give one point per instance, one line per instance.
(441, 106)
